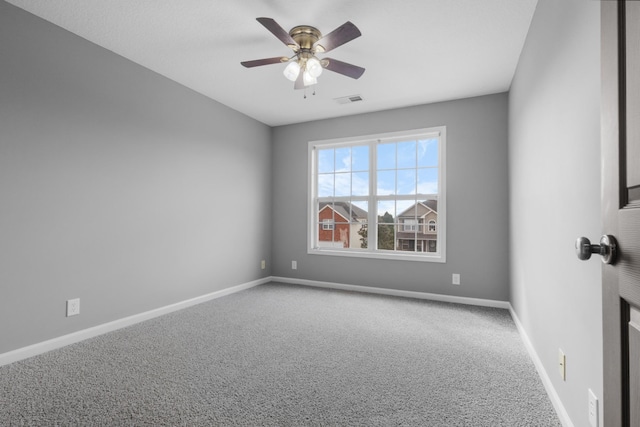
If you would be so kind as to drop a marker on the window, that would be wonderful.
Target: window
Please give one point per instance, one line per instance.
(410, 225)
(392, 182)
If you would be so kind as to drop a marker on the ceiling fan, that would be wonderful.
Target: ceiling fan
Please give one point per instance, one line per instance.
(304, 67)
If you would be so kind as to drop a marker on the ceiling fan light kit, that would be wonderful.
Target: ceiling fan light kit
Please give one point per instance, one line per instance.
(304, 67)
(291, 71)
(313, 67)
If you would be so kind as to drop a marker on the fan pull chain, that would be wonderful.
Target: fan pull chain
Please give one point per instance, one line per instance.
(305, 92)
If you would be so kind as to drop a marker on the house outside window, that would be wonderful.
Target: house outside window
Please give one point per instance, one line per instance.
(379, 196)
(418, 238)
(341, 222)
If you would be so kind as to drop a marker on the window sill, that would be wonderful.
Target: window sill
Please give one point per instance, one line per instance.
(351, 253)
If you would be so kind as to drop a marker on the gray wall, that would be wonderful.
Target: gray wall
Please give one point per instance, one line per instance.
(477, 201)
(117, 186)
(554, 158)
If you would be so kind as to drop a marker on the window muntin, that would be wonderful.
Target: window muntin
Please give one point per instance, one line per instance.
(392, 181)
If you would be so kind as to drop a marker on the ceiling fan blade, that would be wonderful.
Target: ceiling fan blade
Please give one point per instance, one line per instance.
(279, 32)
(299, 84)
(344, 68)
(341, 35)
(265, 61)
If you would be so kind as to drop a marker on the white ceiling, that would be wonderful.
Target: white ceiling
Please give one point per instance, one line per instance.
(414, 51)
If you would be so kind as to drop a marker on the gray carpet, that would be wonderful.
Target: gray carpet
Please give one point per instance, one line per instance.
(291, 356)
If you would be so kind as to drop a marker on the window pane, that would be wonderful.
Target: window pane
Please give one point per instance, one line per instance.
(406, 245)
(325, 185)
(386, 211)
(358, 235)
(343, 184)
(386, 226)
(364, 206)
(325, 160)
(407, 225)
(360, 184)
(360, 158)
(407, 181)
(386, 156)
(342, 213)
(407, 154)
(325, 212)
(428, 152)
(406, 208)
(386, 236)
(343, 159)
(386, 183)
(428, 181)
(326, 225)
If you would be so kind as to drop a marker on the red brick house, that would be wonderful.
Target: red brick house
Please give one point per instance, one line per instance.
(339, 223)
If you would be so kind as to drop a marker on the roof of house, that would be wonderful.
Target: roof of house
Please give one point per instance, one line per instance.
(428, 205)
(346, 210)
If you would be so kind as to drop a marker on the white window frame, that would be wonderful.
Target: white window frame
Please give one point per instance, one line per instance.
(372, 198)
(328, 224)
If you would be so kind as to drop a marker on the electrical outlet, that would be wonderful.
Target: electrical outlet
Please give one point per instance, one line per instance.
(593, 409)
(562, 364)
(73, 307)
(263, 264)
(455, 279)
(294, 265)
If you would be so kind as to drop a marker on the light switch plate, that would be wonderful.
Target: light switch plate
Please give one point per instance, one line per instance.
(562, 364)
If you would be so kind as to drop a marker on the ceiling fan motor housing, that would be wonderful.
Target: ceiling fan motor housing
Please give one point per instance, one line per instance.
(305, 36)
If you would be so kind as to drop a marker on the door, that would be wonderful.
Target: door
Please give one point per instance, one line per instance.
(621, 210)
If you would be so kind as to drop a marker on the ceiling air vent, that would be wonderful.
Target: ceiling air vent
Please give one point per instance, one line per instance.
(348, 99)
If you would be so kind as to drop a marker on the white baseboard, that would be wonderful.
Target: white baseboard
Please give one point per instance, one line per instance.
(395, 292)
(544, 376)
(52, 344)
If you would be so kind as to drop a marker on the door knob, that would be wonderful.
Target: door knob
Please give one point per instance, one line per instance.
(607, 248)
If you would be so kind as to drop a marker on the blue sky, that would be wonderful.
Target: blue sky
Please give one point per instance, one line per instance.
(403, 168)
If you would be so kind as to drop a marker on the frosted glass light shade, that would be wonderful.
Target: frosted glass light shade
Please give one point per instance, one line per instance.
(291, 71)
(308, 79)
(314, 68)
